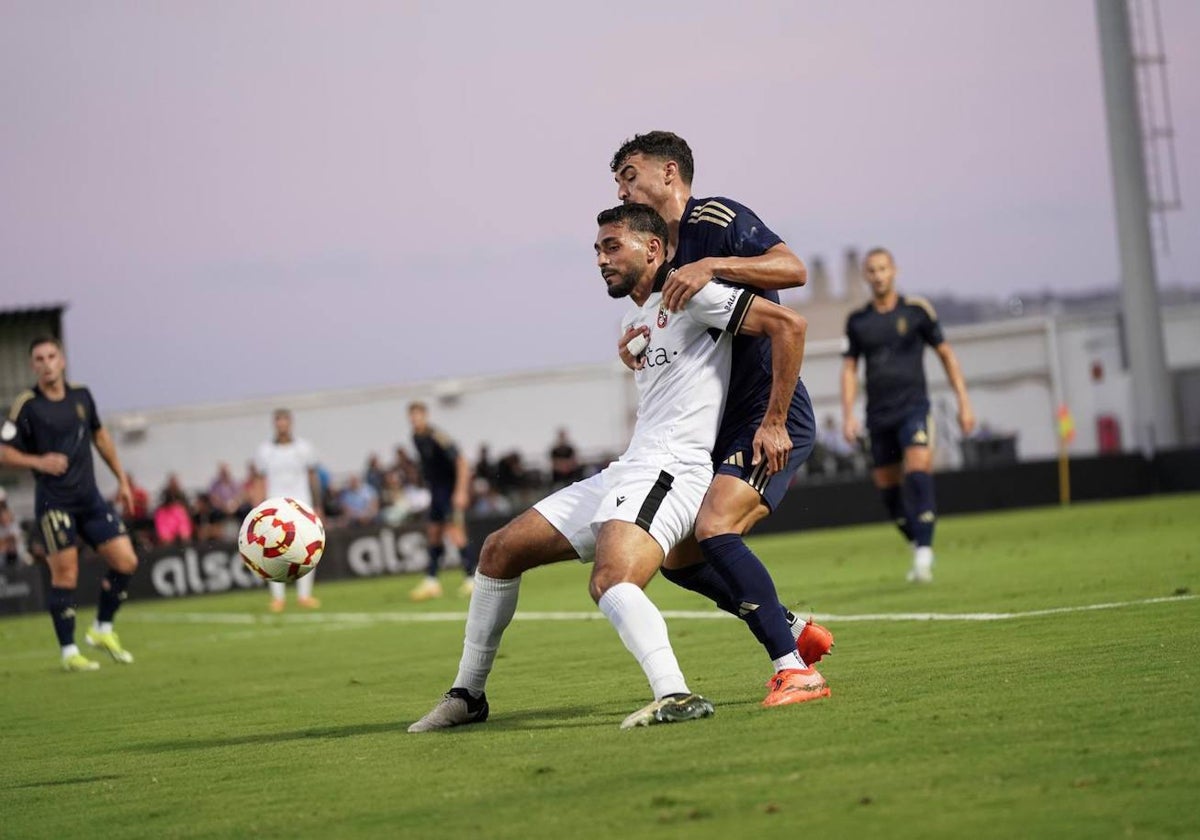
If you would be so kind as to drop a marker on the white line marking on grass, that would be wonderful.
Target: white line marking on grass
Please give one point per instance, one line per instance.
(368, 618)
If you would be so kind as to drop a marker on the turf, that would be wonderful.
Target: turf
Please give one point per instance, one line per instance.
(235, 723)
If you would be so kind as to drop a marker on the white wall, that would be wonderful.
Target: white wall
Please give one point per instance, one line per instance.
(1009, 365)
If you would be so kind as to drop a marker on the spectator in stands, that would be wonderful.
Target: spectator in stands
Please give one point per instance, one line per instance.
(254, 490)
(838, 454)
(224, 493)
(484, 467)
(12, 541)
(488, 500)
(172, 519)
(209, 522)
(564, 463)
(359, 502)
(510, 473)
(394, 501)
(409, 470)
(139, 518)
(375, 475)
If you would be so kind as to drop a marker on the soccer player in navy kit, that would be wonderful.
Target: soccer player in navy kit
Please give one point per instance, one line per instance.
(891, 333)
(448, 476)
(756, 454)
(50, 430)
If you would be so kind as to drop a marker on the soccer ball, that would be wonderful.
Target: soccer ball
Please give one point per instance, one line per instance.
(281, 540)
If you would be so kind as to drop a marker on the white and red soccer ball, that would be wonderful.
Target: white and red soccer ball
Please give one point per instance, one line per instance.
(281, 540)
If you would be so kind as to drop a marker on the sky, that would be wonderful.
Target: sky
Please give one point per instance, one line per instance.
(249, 199)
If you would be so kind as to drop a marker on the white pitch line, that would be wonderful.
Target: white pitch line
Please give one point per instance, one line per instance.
(368, 618)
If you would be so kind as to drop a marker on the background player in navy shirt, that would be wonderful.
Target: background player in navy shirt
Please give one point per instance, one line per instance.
(448, 477)
(757, 452)
(51, 430)
(891, 333)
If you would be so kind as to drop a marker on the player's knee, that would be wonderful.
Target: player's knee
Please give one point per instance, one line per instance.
(65, 578)
(713, 526)
(718, 523)
(496, 557)
(126, 565)
(602, 580)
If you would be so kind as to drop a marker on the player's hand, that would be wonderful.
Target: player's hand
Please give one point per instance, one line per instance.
(966, 418)
(628, 359)
(772, 444)
(460, 500)
(683, 283)
(851, 430)
(125, 496)
(52, 463)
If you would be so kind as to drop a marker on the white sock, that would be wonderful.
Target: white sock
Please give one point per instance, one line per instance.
(278, 590)
(923, 558)
(102, 626)
(304, 586)
(491, 609)
(69, 650)
(644, 632)
(788, 660)
(795, 624)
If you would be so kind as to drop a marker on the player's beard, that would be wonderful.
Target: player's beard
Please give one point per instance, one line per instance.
(622, 287)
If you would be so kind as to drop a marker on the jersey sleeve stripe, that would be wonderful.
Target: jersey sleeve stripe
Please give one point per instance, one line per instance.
(924, 304)
(739, 312)
(708, 217)
(18, 404)
(654, 500)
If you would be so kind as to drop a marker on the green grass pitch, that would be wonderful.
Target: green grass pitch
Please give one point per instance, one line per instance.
(1060, 723)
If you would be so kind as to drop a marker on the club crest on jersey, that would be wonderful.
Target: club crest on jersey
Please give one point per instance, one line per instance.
(79, 410)
(901, 325)
(662, 315)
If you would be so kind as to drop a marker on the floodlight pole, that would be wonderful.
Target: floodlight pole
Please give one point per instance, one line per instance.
(1153, 398)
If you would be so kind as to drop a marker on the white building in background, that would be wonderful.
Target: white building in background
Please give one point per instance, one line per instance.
(1018, 372)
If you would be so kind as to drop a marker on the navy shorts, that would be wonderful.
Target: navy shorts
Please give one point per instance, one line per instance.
(889, 442)
(95, 521)
(441, 509)
(734, 451)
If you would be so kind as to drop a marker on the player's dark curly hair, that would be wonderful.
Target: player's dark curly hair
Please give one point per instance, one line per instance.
(639, 218)
(664, 145)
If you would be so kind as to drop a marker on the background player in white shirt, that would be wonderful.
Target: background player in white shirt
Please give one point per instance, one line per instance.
(631, 514)
(288, 466)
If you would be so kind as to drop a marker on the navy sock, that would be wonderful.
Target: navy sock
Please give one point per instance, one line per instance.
(893, 500)
(918, 492)
(112, 593)
(754, 594)
(469, 559)
(61, 604)
(702, 579)
(435, 559)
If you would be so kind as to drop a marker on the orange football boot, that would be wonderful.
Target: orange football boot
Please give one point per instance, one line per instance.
(795, 685)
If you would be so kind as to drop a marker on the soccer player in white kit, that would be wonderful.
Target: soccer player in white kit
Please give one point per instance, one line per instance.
(627, 517)
(288, 465)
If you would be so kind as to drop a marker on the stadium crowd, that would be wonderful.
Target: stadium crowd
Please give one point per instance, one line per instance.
(384, 492)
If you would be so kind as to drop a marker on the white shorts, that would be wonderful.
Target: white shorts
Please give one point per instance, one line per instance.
(662, 500)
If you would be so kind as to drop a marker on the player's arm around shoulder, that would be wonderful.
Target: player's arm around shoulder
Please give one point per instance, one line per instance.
(776, 268)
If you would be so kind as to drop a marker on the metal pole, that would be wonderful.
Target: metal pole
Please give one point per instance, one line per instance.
(1153, 397)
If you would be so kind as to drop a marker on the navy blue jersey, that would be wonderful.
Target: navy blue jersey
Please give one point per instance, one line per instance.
(720, 227)
(439, 457)
(37, 425)
(894, 346)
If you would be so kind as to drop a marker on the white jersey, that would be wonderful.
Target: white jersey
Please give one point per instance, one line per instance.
(681, 388)
(285, 467)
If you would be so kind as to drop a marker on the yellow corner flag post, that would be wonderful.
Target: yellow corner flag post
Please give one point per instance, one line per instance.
(1066, 434)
